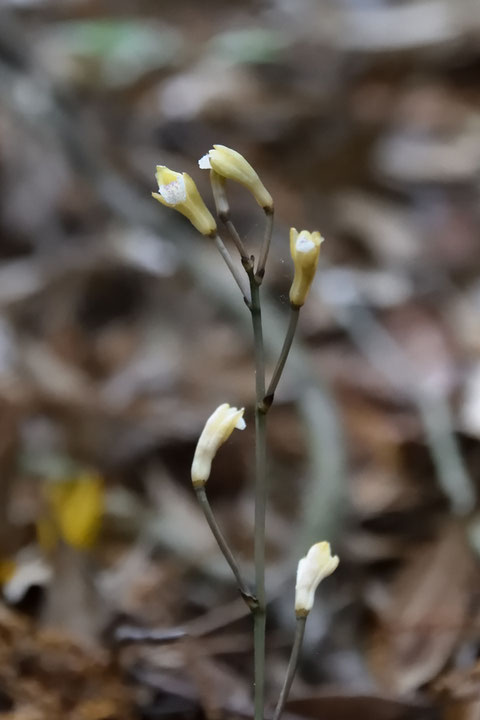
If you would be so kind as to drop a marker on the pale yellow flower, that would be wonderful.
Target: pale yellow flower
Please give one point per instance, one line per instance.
(230, 164)
(217, 430)
(75, 510)
(178, 191)
(317, 564)
(305, 249)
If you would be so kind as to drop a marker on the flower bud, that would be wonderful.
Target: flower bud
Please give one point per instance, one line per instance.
(305, 249)
(217, 430)
(230, 164)
(178, 191)
(312, 569)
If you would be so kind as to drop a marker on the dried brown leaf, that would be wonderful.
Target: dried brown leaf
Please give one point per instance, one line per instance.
(419, 627)
(347, 706)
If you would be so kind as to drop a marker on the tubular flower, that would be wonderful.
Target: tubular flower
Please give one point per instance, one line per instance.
(231, 165)
(305, 249)
(178, 191)
(312, 569)
(217, 430)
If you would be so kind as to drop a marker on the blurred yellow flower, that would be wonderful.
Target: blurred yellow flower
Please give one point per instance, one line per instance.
(74, 511)
(7, 570)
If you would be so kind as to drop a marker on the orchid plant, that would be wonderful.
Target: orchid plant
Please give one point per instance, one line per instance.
(179, 192)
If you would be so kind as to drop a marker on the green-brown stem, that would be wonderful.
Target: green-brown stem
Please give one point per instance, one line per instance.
(262, 260)
(232, 231)
(224, 547)
(223, 211)
(260, 501)
(239, 279)
(287, 344)
(292, 666)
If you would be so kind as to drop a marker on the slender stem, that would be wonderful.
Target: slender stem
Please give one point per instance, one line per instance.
(260, 501)
(292, 666)
(287, 344)
(223, 211)
(262, 261)
(233, 269)
(224, 547)
(233, 232)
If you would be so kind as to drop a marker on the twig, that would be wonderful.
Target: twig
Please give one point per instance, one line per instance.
(224, 547)
(260, 500)
(262, 261)
(292, 666)
(287, 344)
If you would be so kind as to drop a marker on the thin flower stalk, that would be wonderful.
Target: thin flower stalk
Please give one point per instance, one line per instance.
(262, 261)
(224, 547)
(247, 261)
(235, 271)
(287, 344)
(222, 206)
(292, 666)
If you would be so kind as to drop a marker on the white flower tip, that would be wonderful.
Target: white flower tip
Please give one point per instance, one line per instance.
(241, 424)
(204, 162)
(175, 192)
(304, 243)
